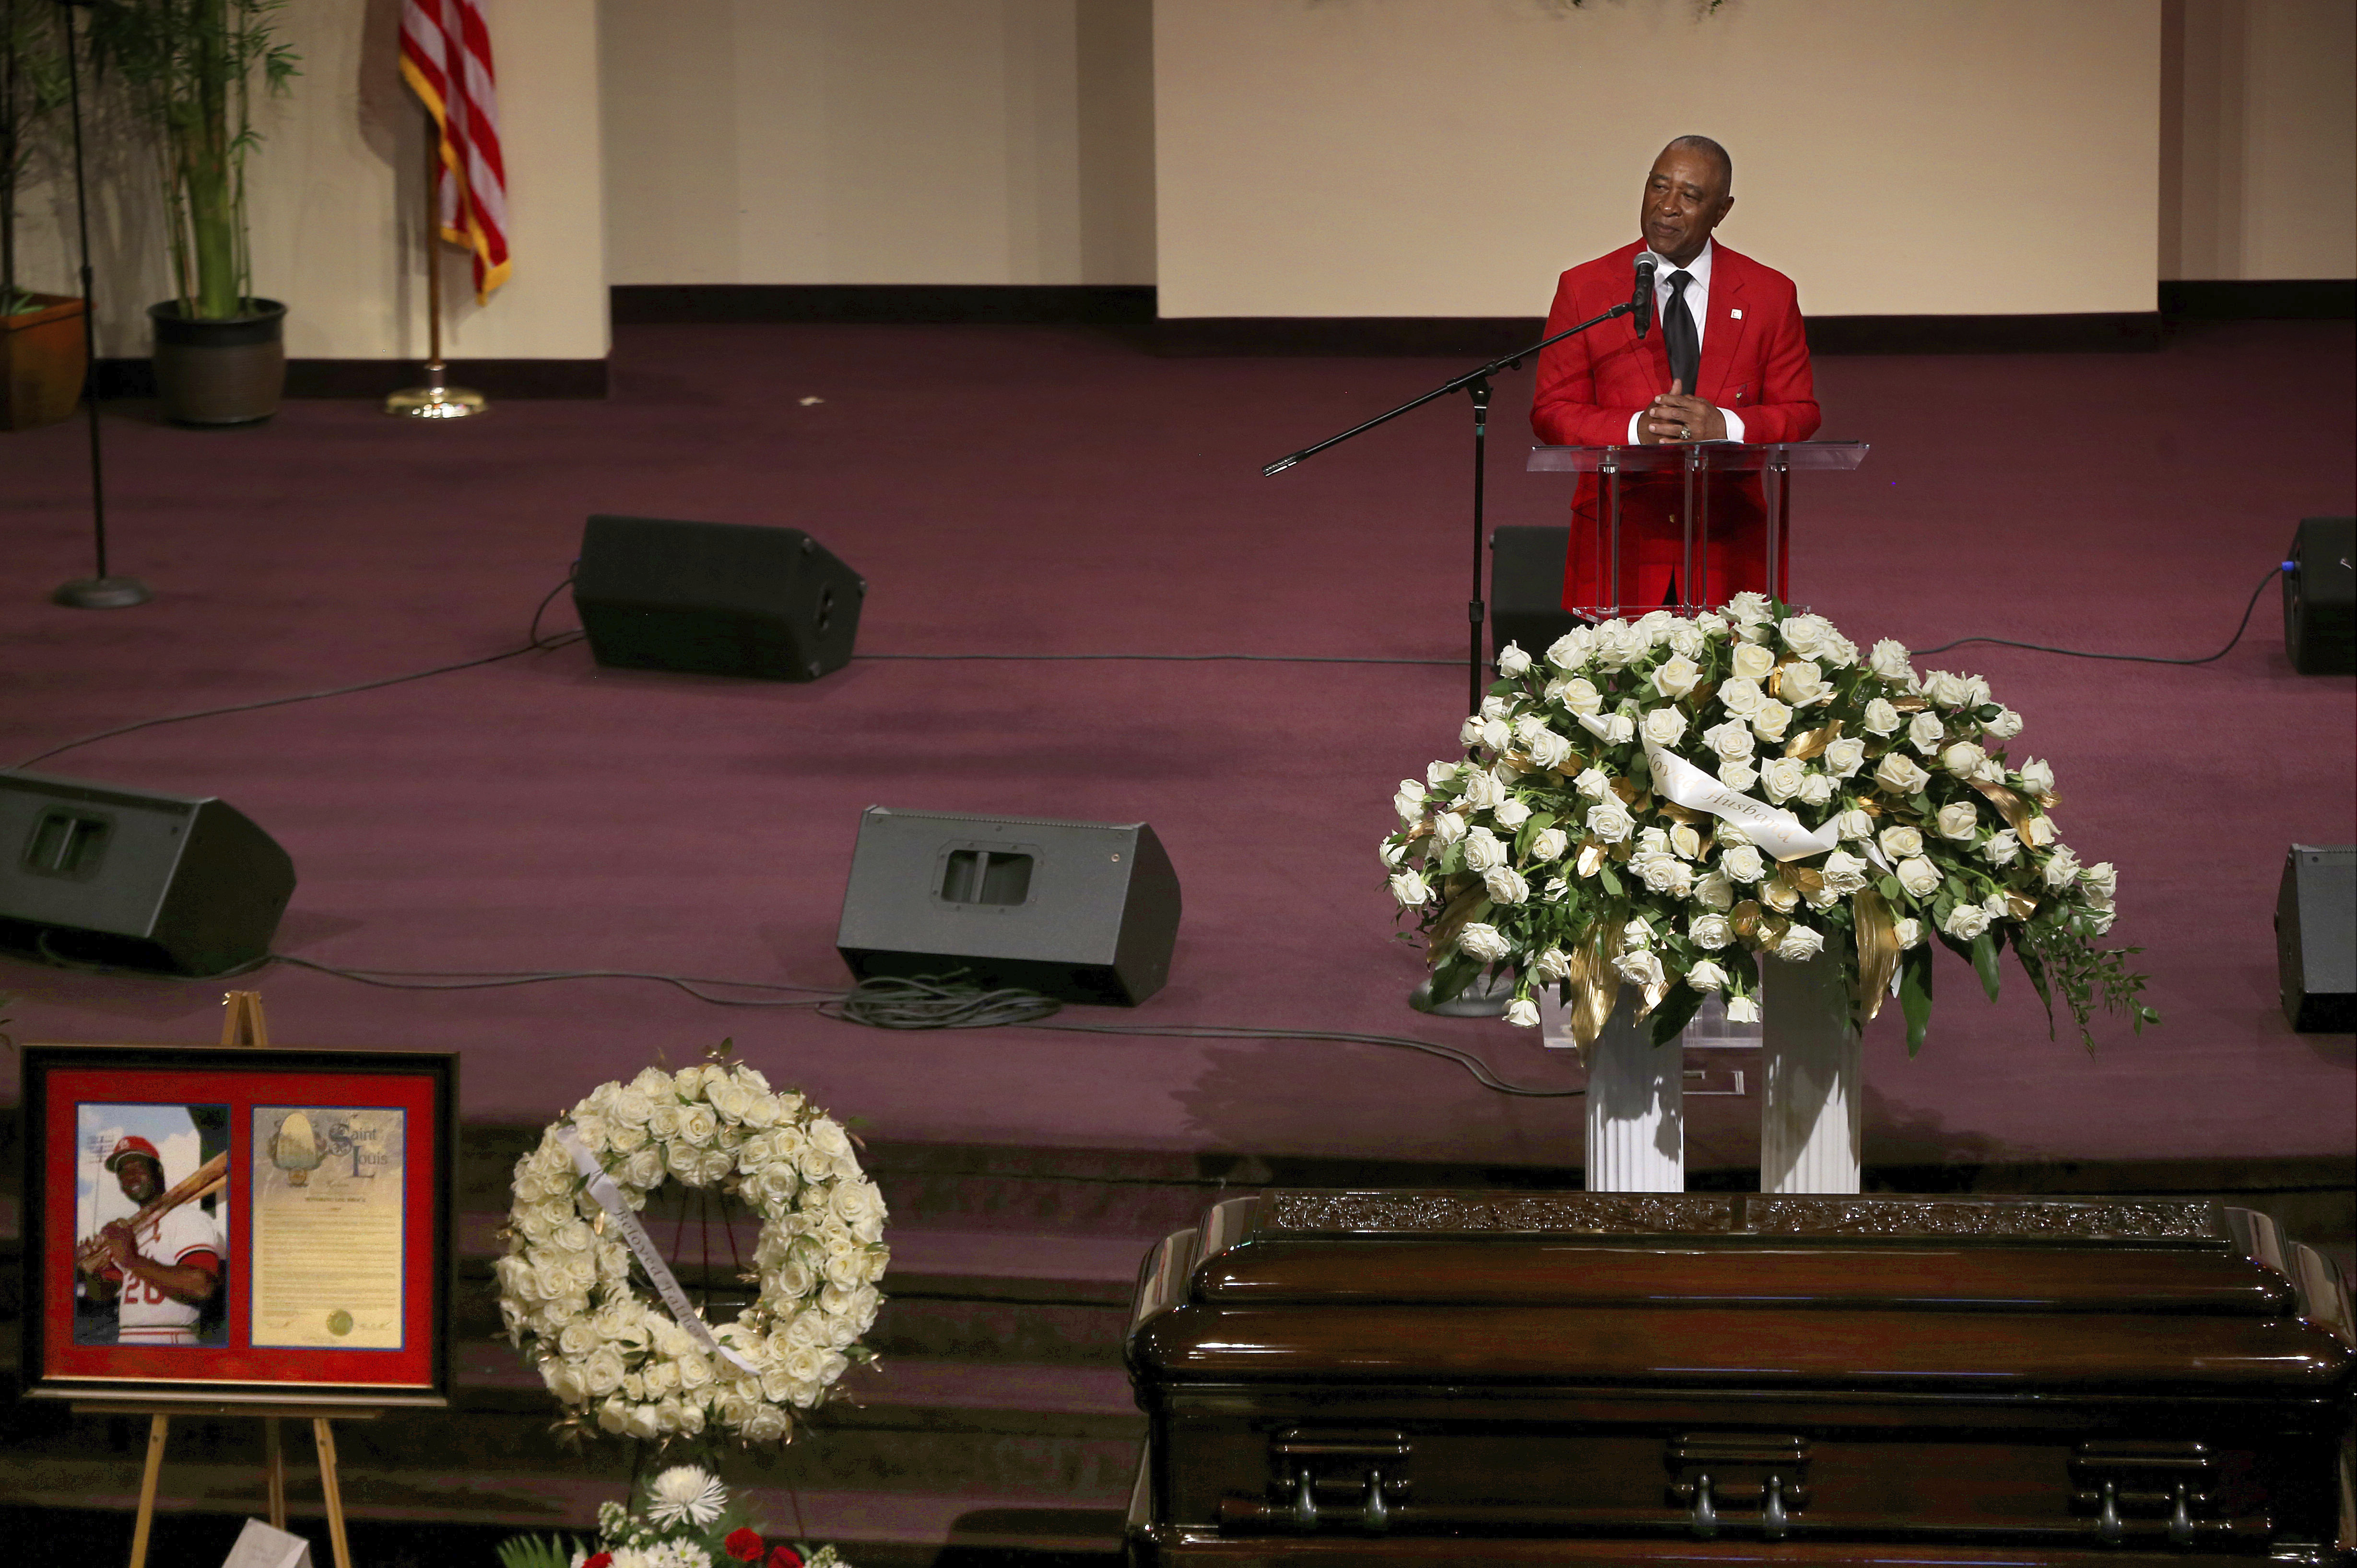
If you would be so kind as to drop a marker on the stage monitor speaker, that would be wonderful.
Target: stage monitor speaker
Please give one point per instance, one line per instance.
(714, 599)
(1526, 568)
(2316, 938)
(132, 879)
(2319, 594)
(1083, 911)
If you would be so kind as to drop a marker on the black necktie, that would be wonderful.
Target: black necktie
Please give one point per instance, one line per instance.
(1678, 334)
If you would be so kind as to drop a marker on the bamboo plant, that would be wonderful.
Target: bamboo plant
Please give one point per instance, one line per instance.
(32, 86)
(188, 68)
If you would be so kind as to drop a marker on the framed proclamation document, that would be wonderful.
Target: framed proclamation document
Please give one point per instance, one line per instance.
(238, 1225)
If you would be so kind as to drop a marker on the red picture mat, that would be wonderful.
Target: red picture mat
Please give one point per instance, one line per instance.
(240, 1361)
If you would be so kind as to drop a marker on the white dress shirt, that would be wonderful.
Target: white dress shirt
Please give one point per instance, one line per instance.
(1698, 303)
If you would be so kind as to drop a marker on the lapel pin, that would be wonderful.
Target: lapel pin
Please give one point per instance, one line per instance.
(1737, 314)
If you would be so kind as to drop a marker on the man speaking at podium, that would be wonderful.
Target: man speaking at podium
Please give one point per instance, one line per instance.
(1729, 362)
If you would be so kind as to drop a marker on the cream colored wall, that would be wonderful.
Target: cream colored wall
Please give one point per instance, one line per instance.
(879, 140)
(333, 197)
(2259, 149)
(1448, 157)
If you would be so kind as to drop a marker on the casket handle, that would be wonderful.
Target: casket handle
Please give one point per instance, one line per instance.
(1706, 1515)
(1774, 1523)
(2107, 1515)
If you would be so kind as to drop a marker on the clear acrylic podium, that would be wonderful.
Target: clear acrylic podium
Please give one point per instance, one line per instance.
(1697, 462)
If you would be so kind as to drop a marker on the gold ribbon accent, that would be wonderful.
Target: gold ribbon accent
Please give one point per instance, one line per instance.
(1813, 743)
(2015, 811)
(1877, 951)
(1802, 879)
(1462, 892)
(2022, 905)
(1678, 813)
(1595, 986)
(1744, 918)
(1591, 855)
(1628, 791)
(1910, 703)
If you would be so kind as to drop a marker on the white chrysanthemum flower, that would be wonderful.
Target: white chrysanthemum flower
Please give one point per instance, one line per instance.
(686, 1494)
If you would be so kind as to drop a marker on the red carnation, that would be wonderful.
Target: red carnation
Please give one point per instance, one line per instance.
(785, 1557)
(745, 1545)
(602, 1560)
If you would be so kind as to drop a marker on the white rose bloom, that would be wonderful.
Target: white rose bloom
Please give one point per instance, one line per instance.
(1742, 1010)
(1663, 874)
(1609, 821)
(1664, 727)
(1737, 775)
(1769, 718)
(1748, 608)
(1805, 634)
(2038, 777)
(1853, 823)
(1686, 639)
(1804, 684)
(1582, 697)
(1965, 921)
(1448, 827)
(1888, 660)
(1714, 890)
(1495, 735)
(1510, 814)
(2102, 881)
(1957, 819)
(2037, 832)
(1685, 841)
(1551, 966)
(1618, 644)
(1653, 841)
(1919, 877)
(1512, 662)
(1751, 662)
(1528, 727)
(2061, 868)
(601, 1373)
(1484, 850)
(1946, 688)
(1411, 889)
(1391, 852)
(1548, 845)
(1484, 942)
(662, 1121)
(2002, 849)
(1779, 894)
(1439, 773)
(1741, 696)
(1800, 943)
(1816, 790)
(1962, 759)
(644, 1168)
(1494, 707)
(1640, 967)
(1846, 873)
(1731, 740)
(1484, 792)
(1569, 652)
(698, 1126)
(1706, 976)
(1594, 783)
(2005, 726)
(1845, 757)
(1709, 932)
(1743, 864)
(1409, 802)
(1506, 884)
(631, 1106)
(1523, 1013)
(1924, 733)
(1549, 751)
(1619, 729)
(1468, 734)
(1900, 776)
(1677, 676)
(1781, 779)
(1900, 842)
(1909, 933)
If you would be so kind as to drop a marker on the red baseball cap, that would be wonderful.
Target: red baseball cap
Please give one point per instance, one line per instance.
(126, 1146)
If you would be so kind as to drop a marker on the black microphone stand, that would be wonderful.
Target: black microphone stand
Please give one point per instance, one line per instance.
(102, 592)
(1476, 384)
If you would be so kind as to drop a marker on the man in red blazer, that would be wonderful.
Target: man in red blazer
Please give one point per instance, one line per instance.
(1744, 376)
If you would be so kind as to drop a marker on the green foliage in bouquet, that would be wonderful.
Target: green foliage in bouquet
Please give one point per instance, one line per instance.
(681, 1517)
(1659, 804)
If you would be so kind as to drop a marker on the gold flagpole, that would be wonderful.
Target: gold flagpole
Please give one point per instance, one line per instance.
(435, 400)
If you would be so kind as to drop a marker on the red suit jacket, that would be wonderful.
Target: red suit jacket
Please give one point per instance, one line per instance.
(1755, 360)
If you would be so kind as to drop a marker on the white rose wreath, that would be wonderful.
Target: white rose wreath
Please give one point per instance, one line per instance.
(615, 1357)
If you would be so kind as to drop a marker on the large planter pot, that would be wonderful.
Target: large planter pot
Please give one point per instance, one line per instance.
(43, 362)
(229, 372)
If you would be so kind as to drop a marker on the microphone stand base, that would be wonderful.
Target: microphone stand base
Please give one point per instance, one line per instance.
(102, 594)
(436, 402)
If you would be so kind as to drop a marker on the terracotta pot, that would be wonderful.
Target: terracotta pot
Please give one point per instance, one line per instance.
(43, 362)
(230, 372)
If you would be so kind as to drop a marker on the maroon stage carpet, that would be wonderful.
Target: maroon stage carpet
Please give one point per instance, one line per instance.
(1037, 490)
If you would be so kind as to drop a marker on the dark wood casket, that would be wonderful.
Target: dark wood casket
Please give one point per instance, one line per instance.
(1503, 1378)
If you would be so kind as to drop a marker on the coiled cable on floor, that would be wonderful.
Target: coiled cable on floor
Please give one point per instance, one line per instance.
(935, 1001)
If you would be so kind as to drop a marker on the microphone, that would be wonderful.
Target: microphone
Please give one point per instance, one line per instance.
(1642, 302)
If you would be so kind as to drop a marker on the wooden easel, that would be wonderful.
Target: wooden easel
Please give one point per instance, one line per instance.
(243, 1025)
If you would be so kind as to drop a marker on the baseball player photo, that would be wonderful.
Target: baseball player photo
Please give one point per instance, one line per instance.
(150, 1254)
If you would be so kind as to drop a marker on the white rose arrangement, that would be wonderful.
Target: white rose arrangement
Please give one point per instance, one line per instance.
(607, 1347)
(1657, 802)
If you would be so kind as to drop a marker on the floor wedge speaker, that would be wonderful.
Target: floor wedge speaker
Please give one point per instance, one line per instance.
(714, 599)
(2316, 938)
(1526, 567)
(1083, 911)
(2320, 593)
(175, 883)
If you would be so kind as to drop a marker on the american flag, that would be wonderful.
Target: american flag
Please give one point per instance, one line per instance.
(445, 56)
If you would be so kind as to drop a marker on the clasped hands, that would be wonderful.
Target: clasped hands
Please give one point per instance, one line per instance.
(1675, 416)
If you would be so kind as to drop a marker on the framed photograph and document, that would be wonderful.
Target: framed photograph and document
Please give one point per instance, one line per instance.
(238, 1225)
